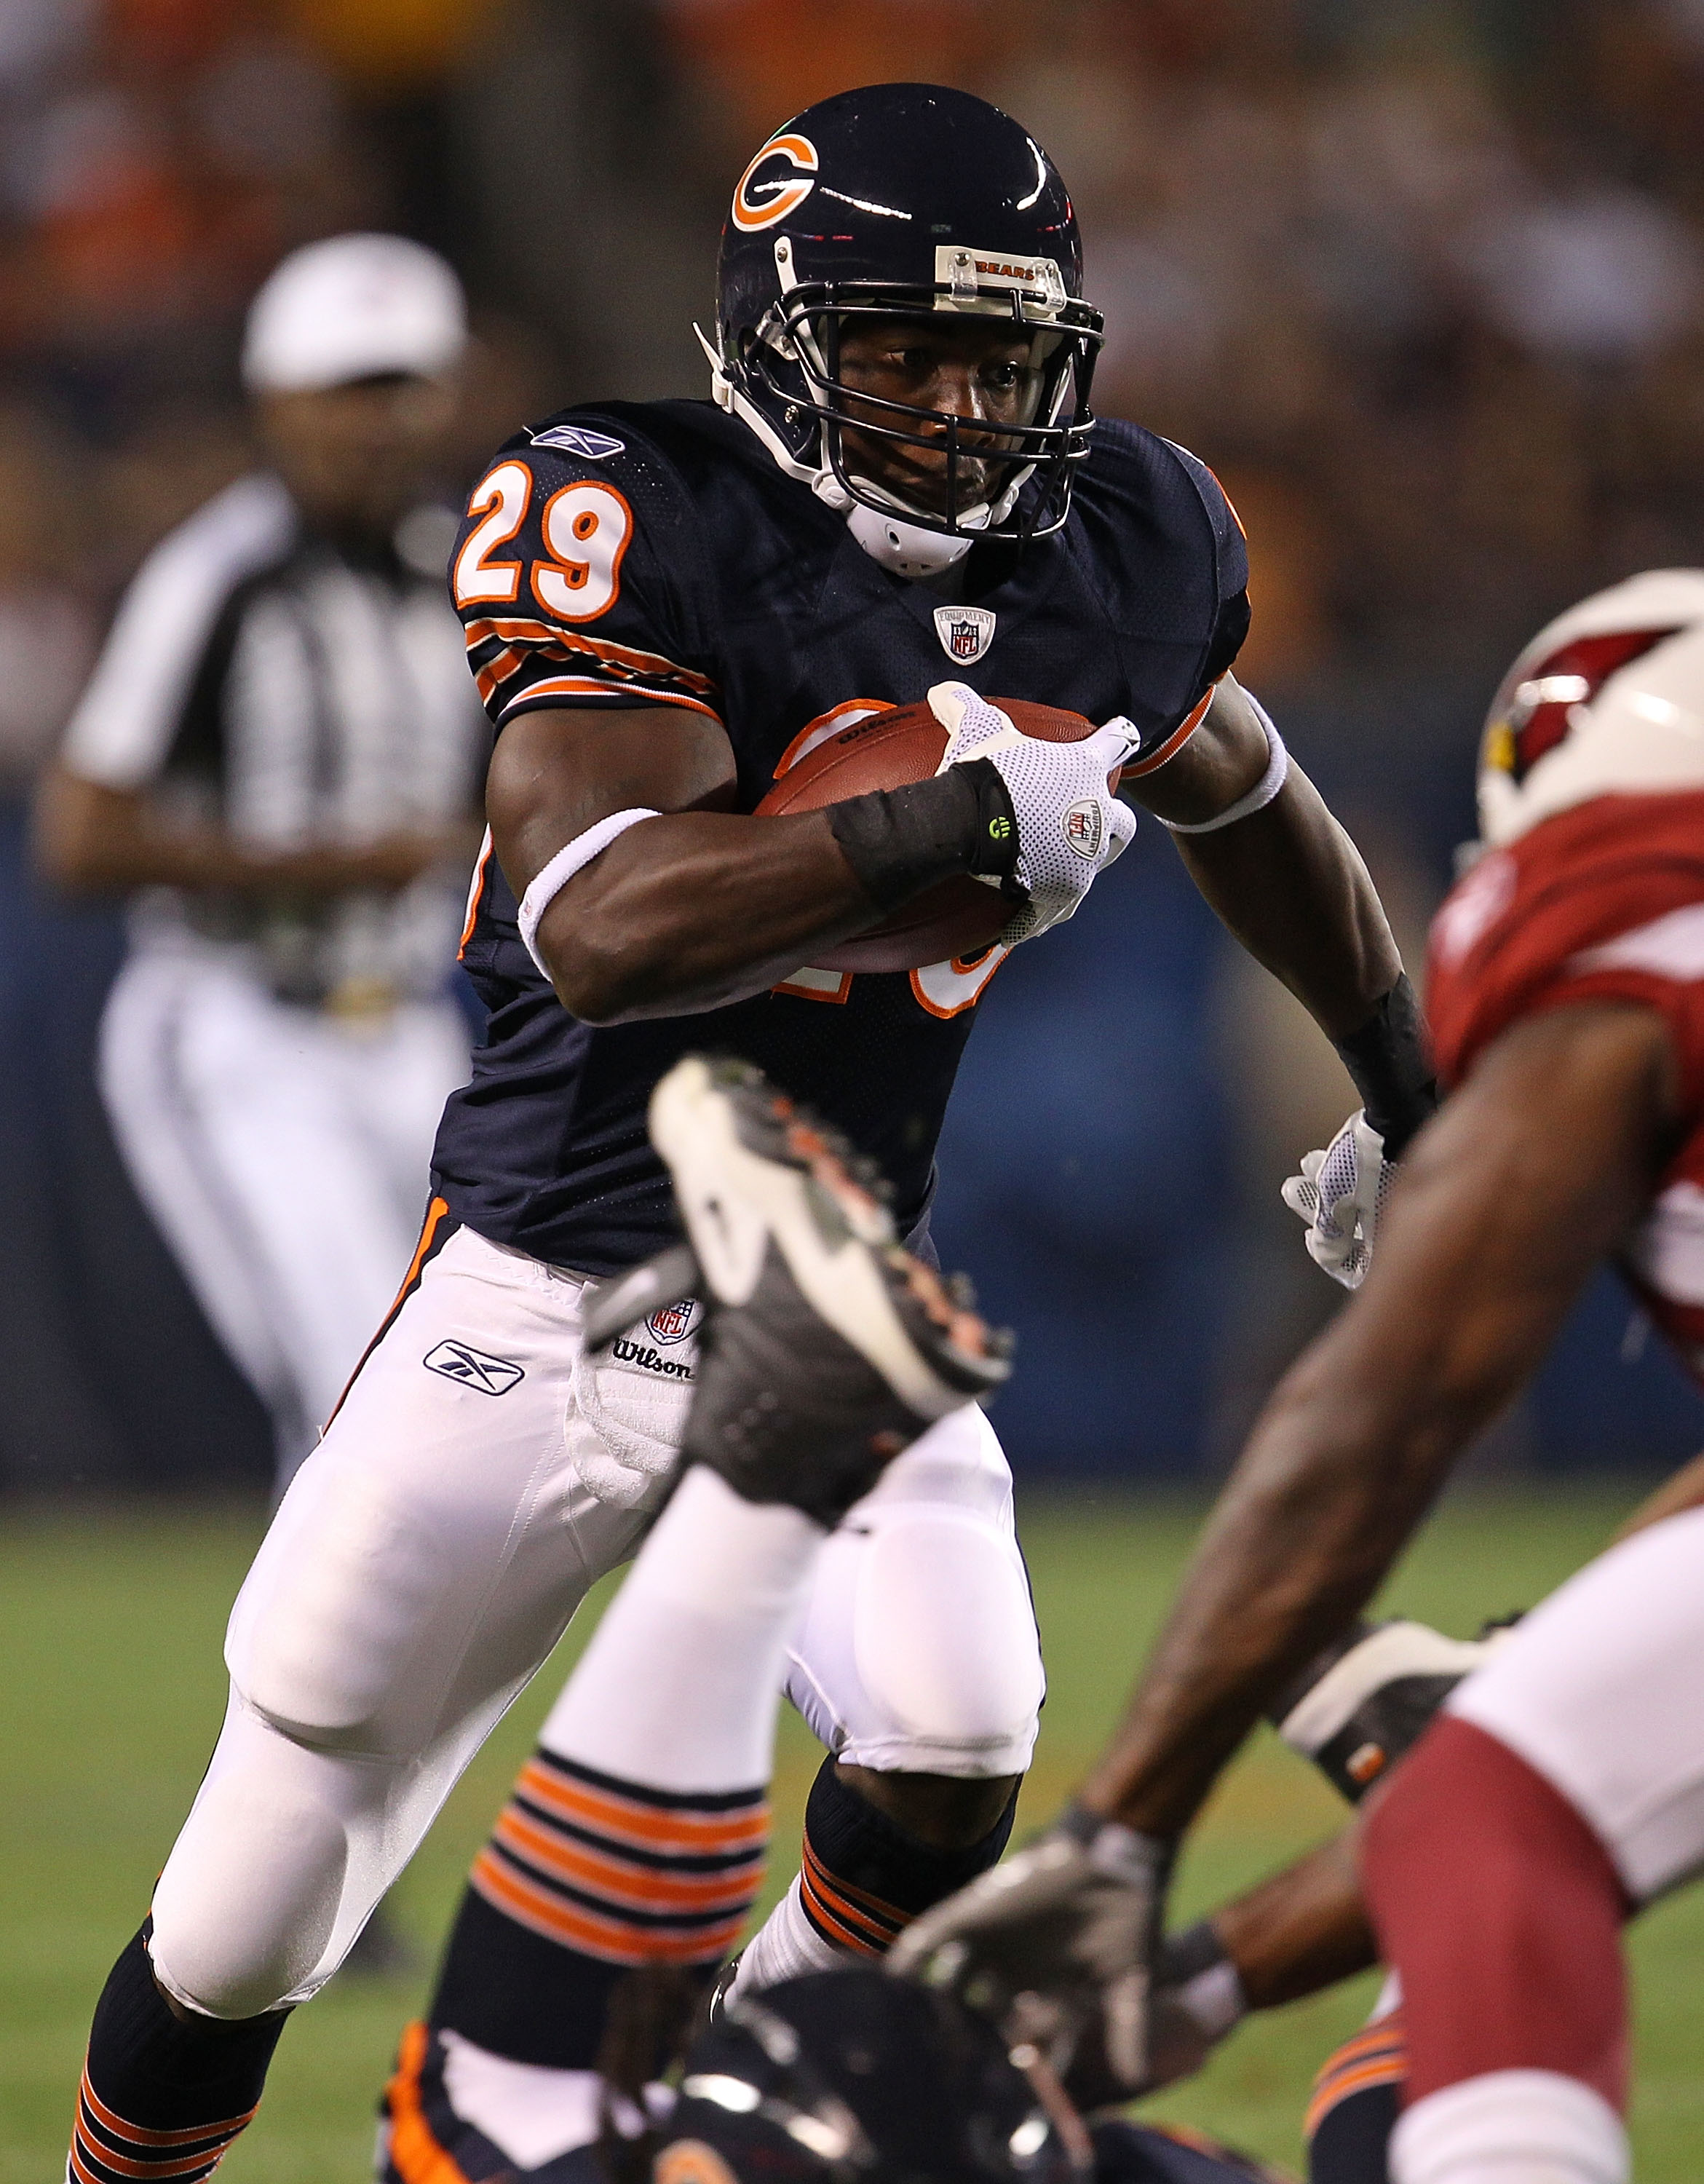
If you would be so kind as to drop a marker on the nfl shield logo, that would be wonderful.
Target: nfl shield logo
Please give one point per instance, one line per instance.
(675, 1321)
(965, 632)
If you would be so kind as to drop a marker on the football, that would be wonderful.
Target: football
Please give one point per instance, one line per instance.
(886, 748)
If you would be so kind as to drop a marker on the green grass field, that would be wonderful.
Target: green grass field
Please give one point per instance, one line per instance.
(112, 1692)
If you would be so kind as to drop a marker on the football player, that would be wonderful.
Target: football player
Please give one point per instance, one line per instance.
(1563, 1786)
(898, 479)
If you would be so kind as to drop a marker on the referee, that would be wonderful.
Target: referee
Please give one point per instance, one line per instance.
(278, 757)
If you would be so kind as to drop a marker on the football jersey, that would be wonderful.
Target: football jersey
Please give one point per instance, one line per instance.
(1604, 902)
(653, 555)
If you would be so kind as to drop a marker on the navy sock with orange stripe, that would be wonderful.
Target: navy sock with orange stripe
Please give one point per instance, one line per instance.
(1353, 2108)
(162, 2097)
(585, 1879)
(864, 1877)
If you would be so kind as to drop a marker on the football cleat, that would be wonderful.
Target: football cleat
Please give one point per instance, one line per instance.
(827, 1347)
(1361, 1704)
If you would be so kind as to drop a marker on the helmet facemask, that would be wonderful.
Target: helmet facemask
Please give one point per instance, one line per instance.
(973, 470)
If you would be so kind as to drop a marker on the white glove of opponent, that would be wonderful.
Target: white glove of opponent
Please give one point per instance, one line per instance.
(1069, 825)
(1340, 1193)
(1055, 1946)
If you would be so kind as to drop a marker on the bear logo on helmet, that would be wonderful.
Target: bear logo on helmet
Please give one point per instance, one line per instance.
(758, 204)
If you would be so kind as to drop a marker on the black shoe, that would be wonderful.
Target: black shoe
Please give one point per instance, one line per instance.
(827, 1347)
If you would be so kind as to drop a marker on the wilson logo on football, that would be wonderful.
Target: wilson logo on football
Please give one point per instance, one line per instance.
(1081, 824)
(766, 192)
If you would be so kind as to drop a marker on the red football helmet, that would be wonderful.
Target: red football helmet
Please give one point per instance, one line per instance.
(1607, 700)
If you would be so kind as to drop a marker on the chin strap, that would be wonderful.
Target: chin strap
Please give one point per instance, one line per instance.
(908, 549)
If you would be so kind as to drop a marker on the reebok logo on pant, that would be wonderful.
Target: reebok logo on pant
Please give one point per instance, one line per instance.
(474, 1368)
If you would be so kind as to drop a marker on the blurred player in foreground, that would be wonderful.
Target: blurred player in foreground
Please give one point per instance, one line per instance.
(1563, 1786)
(280, 754)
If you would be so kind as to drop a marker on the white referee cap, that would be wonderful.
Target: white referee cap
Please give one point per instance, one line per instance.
(350, 308)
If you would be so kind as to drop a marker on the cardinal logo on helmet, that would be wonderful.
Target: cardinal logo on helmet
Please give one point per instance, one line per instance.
(767, 192)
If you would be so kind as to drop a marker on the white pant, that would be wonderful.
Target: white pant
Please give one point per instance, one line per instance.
(1598, 1690)
(282, 1153)
(479, 1478)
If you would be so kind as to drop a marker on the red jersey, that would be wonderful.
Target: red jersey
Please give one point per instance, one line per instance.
(1602, 902)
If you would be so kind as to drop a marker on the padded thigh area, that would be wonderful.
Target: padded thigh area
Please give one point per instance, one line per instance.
(919, 1651)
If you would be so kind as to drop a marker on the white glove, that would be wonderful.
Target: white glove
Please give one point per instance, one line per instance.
(1069, 823)
(1054, 1946)
(1340, 1193)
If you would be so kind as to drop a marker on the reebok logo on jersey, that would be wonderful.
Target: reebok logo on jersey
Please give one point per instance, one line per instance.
(576, 440)
(651, 1361)
(473, 1369)
(965, 632)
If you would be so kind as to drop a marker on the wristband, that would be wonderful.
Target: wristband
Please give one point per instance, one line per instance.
(1262, 793)
(1387, 1058)
(1194, 1968)
(548, 883)
(899, 841)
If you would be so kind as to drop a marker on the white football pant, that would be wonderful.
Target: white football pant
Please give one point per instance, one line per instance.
(282, 1153)
(1597, 1690)
(479, 1477)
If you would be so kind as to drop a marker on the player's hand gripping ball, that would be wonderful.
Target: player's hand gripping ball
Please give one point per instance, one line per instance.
(1070, 824)
(963, 917)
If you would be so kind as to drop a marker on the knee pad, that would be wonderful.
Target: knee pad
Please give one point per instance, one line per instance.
(1501, 1911)
(919, 1650)
(244, 1911)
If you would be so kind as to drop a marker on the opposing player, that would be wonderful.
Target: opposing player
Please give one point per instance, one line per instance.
(278, 757)
(898, 475)
(1564, 1786)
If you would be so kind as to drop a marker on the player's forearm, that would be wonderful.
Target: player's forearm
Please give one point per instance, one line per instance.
(1313, 1517)
(1289, 883)
(1301, 1931)
(1486, 1245)
(691, 911)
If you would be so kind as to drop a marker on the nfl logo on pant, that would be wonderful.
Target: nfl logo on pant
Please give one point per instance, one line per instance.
(965, 632)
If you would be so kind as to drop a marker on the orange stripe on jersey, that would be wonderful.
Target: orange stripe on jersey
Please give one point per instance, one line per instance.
(1173, 743)
(552, 637)
(588, 686)
(415, 2154)
(474, 894)
(690, 1833)
(613, 1940)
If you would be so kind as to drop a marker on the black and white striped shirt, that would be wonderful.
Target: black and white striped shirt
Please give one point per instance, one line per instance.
(261, 678)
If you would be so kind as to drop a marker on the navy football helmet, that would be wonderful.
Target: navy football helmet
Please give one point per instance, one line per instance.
(850, 2075)
(907, 200)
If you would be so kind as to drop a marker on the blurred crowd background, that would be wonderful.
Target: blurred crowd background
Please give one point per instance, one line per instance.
(1423, 280)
